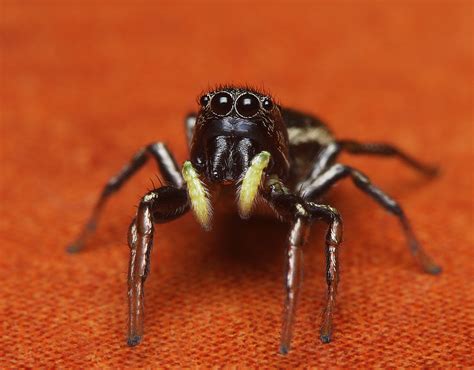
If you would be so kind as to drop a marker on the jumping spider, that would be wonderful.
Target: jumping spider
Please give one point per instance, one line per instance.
(242, 138)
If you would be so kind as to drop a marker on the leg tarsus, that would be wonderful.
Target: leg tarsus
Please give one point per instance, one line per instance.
(78, 244)
(326, 338)
(133, 341)
(284, 350)
(326, 322)
(422, 258)
(75, 247)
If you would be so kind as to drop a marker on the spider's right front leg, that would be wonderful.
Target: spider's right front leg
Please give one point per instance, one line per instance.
(158, 206)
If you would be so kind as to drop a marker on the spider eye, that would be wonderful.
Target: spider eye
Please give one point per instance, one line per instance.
(204, 100)
(267, 104)
(222, 103)
(247, 105)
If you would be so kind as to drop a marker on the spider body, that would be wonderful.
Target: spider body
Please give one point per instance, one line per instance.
(241, 138)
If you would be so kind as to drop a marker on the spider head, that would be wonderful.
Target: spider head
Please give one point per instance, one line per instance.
(233, 125)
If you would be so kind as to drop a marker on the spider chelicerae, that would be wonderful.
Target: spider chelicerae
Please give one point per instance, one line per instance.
(242, 138)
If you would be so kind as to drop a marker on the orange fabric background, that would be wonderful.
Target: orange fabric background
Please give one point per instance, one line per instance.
(84, 86)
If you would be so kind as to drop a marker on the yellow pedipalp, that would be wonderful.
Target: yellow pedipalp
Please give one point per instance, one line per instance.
(251, 183)
(198, 195)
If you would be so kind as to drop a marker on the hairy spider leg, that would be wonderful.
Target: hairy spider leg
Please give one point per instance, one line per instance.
(387, 150)
(301, 213)
(337, 172)
(158, 206)
(168, 168)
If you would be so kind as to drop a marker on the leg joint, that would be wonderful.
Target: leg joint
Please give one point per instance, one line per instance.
(332, 217)
(149, 198)
(327, 212)
(156, 147)
(112, 186)
(299, 232)
(144, 220)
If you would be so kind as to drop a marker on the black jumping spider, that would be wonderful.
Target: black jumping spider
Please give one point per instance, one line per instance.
(242, 138)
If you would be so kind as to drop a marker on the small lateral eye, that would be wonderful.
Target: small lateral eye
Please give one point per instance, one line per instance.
(222, 103)
(247, 105)
(267, 104)
(204, 100)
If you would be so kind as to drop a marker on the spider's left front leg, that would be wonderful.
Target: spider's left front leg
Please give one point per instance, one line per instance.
(300, 214)
(158, 206)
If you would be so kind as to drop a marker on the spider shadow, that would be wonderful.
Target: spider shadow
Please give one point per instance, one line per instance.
(237, 254)
(257, 242)
(253, 251)
(245, 248)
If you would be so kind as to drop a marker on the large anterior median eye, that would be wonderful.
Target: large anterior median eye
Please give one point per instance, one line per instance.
(222, 103)
(247, 105)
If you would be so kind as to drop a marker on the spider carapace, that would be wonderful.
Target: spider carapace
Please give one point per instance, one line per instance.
(284, 158)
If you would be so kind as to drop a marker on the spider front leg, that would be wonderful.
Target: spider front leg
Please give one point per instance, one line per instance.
(168, 169)
(158, 206)
(333, 239)
(301, 213)
(293, 278)
(325, 180)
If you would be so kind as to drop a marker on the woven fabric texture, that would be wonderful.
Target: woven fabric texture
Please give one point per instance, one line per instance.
(85, 84)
